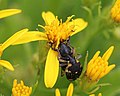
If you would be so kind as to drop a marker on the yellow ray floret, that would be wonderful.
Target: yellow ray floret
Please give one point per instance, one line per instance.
(6, 64)
(6, 44)
(57, 92)
(69, 91)
(98, 66)
(55, 31)
(51, 69)
(97, 95)
(115, 11)
(30, 36)
(20, 89)
(58, 30)
(11, 40)
(8, 12)
(48, 17)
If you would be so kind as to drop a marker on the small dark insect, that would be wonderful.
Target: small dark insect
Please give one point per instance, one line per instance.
(68, 62)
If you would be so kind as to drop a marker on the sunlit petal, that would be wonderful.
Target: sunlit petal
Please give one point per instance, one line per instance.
(8, 12)
(48, 17)
(1, 51)
(99, 66)
(96, 55)
(109, 68)
(31, 36)
(57, 92)
(92, 95)
(6, 64)
(100, 94)
(79, 23)
(108, 53)
(70, 90)
(13, 38)
(51, 69)
(96, 95)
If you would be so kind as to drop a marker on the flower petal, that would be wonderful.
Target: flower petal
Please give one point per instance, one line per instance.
(92, 95)
(8, 12)
(109, 68)
(57, 92)
(79, 24)
(1, 51)
(48, 17)
(100, 94)
(31, 36)
(108, 53)
(13, 38)
(70, 90)
(96, 55)
(51, 69)
(6, 64)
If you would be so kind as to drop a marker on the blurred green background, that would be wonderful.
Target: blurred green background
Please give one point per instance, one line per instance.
(29, 59)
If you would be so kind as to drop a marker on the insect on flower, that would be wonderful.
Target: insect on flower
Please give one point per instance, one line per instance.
(68, 62)
(55, 32)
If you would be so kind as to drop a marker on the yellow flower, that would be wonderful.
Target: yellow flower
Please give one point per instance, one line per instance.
(98, 66)
(7, 43)
(8, 12)
(115, 11)
(55, 32)
(19, 89)
(69, 91)
(94, 94)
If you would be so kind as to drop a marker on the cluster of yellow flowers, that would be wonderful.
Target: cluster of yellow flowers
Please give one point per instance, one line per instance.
(56, 32)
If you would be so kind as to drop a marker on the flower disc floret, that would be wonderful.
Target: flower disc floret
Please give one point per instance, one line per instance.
(19, 89)
(98, 66)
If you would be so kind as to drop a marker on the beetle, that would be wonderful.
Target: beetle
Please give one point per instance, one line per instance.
(68, 62)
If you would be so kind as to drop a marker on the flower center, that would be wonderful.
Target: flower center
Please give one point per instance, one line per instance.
(96, 68)
(59, 32)
(21, 89)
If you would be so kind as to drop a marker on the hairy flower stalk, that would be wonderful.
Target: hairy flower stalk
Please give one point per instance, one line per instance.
(19, 89)
(115, 11)
(96, 69)
(55, 32)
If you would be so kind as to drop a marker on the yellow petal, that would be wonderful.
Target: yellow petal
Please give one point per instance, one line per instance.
(109, 68)
(14, 82)
(31, 36)
(99, 94)
(6, 64)
(1, 51)
(48, 17)
(92, 95)
(51, 69)
(13, 38)
(108, 53)
(57, 92)
(70, 90)
(79, 24)
(96, 55)
(8, 12)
